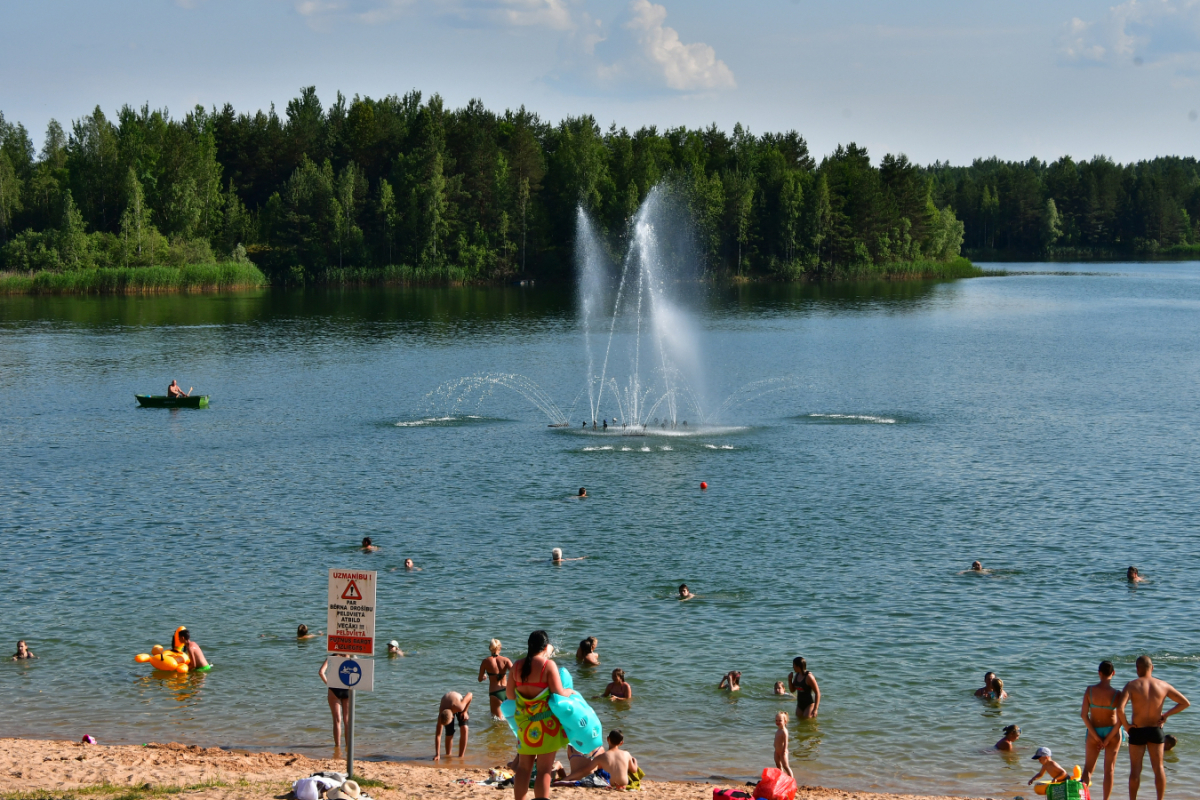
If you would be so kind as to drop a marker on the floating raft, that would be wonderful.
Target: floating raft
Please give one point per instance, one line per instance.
(162, 401)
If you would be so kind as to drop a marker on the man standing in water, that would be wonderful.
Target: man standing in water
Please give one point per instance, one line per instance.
(1147, 694)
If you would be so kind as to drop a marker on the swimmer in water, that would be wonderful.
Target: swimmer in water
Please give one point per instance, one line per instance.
(586, 653)
(302, 632)
(780, 689)
(409, 566)
(976, 566)
(23, 652)
(732, 681)
(619, 689)
(997, 692)
(1011, 734)
(1133, 576)
(193, 650)
(605, 424)
(393, 649)
(367, 547)
(982, 691)
(496, 667)
(556, 556)
(1169, 742)
(582, 493)
(684, 592)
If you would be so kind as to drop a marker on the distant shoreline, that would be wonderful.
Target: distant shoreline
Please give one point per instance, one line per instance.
(234, 276)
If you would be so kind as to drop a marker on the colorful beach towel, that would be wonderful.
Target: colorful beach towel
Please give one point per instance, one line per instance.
(538, 730)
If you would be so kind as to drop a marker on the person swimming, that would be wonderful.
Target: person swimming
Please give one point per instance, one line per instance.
(23, 652)
(780, 689)
(302, 632)
(367, 547)
(982, 691)
(684, 592)
(556, 556)
(1011, 734)
(582, 493)
(619, 688)
(586, 653)
(393, 649)
(1133, 576)
(410, 566)
(997, 692)
(976, 566)
(731, 680)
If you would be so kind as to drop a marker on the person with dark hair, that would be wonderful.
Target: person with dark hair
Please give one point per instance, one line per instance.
(1011, 734)
(731, 680)
(619, 689)
(1147, 693)
(983, 691)
(1099, 714)
(621, 766)
(302, 632)
(367, 547)
(684, 592)
(586, 654)
(1133, 576)
(198, 661)
(539, 733)
(804, 684)
(23, 652)
(976, 566)
(1169, 742)
(339, 707)
(582, 492)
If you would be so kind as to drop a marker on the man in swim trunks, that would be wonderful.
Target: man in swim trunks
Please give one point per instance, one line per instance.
(620, 765)
(452, 712)
(1147, 694)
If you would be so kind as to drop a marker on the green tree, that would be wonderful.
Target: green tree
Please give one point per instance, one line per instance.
(1051, 224)
(135, 222)
(389, 217)
(72, 240)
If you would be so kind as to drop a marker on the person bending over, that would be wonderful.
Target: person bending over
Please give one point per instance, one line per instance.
(1147, 693)
(452, 712)
(619, 689)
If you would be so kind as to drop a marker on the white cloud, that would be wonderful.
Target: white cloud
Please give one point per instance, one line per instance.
(1136, 32)
(685, 67)
(553, 14)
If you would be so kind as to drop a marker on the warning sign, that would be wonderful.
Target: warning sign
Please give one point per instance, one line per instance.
(351, 611)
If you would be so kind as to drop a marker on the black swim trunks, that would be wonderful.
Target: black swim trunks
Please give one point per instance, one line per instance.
(1144, 736)
(341, 694)
(463, 722)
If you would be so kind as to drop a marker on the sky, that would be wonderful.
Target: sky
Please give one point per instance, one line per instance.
(934, 79)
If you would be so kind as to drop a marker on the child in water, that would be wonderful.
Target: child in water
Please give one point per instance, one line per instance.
(1011, 734)
(780, 688)
(781, 742)
(1050, 767)
(731, 680)
(619, 689)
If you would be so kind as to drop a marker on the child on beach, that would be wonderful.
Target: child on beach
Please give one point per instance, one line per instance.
(781, 742)
(1011, 734)
(1050, 768)
(618, 689)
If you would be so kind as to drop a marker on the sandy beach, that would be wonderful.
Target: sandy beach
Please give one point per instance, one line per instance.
(36, 768)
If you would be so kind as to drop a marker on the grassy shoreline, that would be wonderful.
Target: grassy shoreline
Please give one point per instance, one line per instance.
(136, 280)
(230, 276)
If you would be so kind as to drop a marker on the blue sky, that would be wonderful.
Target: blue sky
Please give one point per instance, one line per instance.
(936, 79)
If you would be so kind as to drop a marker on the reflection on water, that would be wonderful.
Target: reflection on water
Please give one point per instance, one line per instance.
(1044, 425)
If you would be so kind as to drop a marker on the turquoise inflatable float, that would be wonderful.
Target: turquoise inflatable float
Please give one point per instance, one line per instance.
(579, 721)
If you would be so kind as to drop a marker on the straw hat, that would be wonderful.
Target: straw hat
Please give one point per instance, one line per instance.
(347, 791)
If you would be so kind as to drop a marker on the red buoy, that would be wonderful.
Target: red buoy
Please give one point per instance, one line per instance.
(703, 485)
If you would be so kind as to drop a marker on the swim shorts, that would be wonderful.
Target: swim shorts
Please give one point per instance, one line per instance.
(1144, 736)
(462, 721)
(341, 694)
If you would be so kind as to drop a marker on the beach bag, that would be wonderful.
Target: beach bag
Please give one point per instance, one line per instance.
(1068, 790)
(729, 794)
(775, 785)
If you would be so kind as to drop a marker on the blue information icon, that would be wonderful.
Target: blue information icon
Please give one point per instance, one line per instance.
(349, 674)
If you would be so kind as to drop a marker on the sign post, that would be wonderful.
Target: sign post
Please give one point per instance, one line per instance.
(351, 625)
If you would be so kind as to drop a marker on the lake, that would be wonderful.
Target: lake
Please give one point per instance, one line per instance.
(1044, 423)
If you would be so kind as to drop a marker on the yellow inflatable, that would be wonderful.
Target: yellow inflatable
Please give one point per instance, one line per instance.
(167, 660)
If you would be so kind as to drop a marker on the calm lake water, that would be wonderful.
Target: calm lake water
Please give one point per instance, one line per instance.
(1044, 423)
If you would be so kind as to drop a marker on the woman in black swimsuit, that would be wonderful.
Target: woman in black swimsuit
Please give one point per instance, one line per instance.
(804, 684)
(339, 706)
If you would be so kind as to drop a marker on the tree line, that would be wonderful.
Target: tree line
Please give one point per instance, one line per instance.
(366, 185)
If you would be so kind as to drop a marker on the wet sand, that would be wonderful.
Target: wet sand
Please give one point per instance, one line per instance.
(37, 768)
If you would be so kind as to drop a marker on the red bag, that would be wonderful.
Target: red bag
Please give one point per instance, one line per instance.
(775, 785)
(729, 794)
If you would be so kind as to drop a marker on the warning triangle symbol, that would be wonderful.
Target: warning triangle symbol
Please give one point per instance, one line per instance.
(352, 592)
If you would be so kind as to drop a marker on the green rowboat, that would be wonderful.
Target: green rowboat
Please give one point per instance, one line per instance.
(162, 401)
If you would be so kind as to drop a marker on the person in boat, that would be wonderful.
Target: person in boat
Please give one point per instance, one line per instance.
(496, 667)
(174, 392)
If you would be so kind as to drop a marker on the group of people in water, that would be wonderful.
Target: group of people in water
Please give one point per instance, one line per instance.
(1108, 726)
